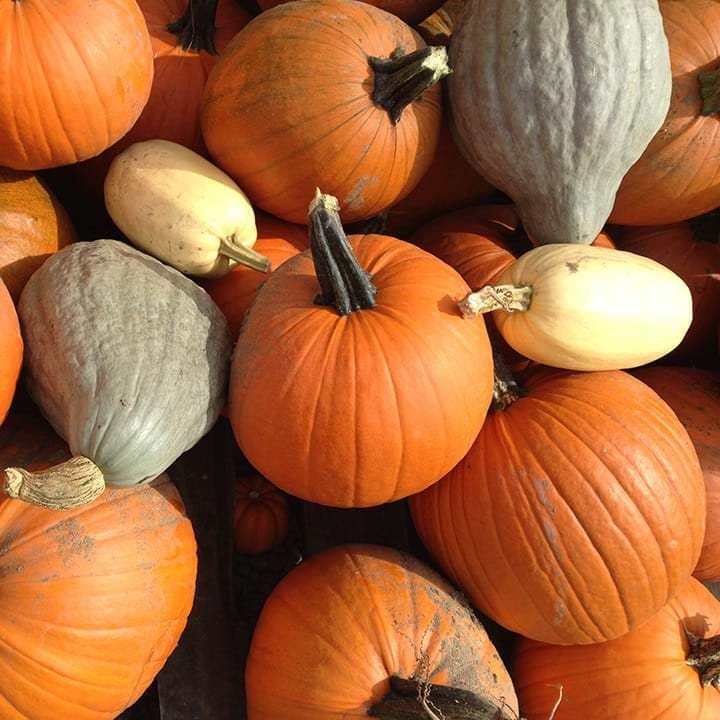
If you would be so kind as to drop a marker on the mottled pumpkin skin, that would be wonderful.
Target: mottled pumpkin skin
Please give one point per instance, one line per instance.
(11, 350)
(578, 512)
(368, 408)
(76, 76)
(127, 358)
(641, 675)
(340, 624)
(260, 516)
(411, 11)
(93, 601)
(694, 396)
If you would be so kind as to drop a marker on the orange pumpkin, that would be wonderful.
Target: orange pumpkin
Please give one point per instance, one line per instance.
(578, 512)
(33, 224)
(11, 350)
(316, 94)
(652, 672)
(339, 626)
(411, 11)
(76, 76)
(260, 515)
(371, 390)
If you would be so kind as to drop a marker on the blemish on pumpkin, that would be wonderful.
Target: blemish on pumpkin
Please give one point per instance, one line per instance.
(560, 612)
(8, 541)
(572, 267)
(355, 199)
(71, 543)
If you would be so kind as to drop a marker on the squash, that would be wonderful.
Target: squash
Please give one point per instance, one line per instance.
(127, 359)
(586, 308)
(411, 11)
(94, 600)
(556, 102)
(674, 179)
(11, 350)
(278, 241)
(692, 251)
(178, 207)
(347, 627)
(341, 95)
(694, 396)
(76, 76)
(33, 224)
(260, 515)
(371, 390)
(577, 514)
(658, 671)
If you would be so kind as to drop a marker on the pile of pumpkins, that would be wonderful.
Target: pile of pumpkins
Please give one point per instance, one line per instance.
(465, 255)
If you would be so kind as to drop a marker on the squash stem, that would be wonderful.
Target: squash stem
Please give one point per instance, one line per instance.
(704, 656)
(245, 255)
(505, 388)
(401, 79)
(195, 28)
(75, 482)
(510, 298)
(343, 283)
(412, 700)
(710, 91)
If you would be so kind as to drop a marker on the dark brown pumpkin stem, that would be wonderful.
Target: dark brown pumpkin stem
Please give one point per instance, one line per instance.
(704, 656)
(706, 228)
(506, 390)
(195, 29)
(401, 79)
(343, 283)
(412, 700)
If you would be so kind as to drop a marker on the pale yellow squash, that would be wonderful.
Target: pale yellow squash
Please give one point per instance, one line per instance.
(175, 205)
(587, 308)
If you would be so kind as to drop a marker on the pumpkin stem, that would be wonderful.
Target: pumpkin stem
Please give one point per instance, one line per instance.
(505, 388)
(704, 656)
(244, 255)
(195, 29)
(75, 482)
(413, 700)
(343, 283)
(510, 298)
(401, 79)
(710, 91)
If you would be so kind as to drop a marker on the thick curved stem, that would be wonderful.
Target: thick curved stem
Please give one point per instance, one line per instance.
(245, 255)
(401, 79)
(75, 482)
(195, 29)
(704, 656)
(343, 283)
(505, 388)
(510, 298)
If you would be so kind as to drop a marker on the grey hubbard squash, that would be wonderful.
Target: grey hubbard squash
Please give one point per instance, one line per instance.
(127, 359)
(554, 101)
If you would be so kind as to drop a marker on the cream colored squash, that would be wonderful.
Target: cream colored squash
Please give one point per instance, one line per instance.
(175, 205)
(554, 100)
(587, 308)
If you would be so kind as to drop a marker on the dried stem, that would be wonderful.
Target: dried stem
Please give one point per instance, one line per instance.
(195, 28)
(704, 656)
(510, 298)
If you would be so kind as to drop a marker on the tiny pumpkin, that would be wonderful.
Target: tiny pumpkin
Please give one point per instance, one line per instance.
(260, 515)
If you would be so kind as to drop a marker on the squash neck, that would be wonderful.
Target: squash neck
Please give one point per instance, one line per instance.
(195, 28)
(506, 389)
(704, 656)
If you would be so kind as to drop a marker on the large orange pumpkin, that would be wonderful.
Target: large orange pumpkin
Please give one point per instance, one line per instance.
(33, 224)
(676, 177)
(337, 629)
(411, 11)
(578, 512)
(11, 350)
(694, 396)
(652, 672)
(75, 77)
(368, 392)
(308, 95)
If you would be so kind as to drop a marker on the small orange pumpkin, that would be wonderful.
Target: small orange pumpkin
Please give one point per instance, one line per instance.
(260, 518)
(11, 350)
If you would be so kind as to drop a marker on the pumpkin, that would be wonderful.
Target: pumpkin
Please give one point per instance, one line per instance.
(578, 512)
(694, 396)
(127, 359)
(411, 11)
(663, 670)
(369, 391)
(11, 350)
(260, 516)
(557, 102)
(277, 241)
(178, 207)
(325, 93)
(75, 79)
(94, 600)
(343, 627)
(692, 251)
(586, 308)
(673, 180)
(33, 224)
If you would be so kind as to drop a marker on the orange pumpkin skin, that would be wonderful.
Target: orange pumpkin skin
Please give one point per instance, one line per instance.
(233, 293)
(280, 132)
(673, 180)
(578, 512)
(341, 623)
(641, 675)
(341, 397)
(11, 350)
(260, 515)
(411, 11)
(77, 77)
(94, 600)
(683, 248)
(694, 396)
(33, 224)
